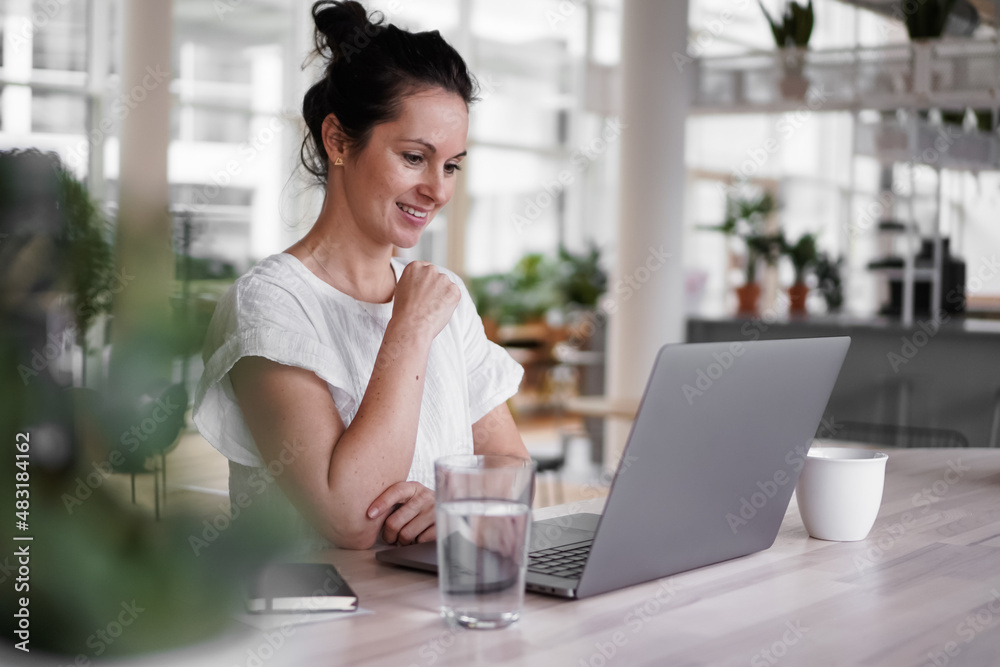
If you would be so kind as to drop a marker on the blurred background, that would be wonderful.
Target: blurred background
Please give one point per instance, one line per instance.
(841, 158)
(549, 78)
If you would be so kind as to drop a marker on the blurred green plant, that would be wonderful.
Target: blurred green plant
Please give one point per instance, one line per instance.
(746, 217)
(581, 280)
(93, 555)
(85, 253)
(533, 289)
(795, 27)
(207, 269)
(538, 284)
(802, 254)
(830, 285)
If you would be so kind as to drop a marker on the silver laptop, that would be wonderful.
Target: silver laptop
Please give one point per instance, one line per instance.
(706, 475)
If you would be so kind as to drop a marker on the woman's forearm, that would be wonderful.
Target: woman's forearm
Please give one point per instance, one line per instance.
(341, 471)
(376, 450)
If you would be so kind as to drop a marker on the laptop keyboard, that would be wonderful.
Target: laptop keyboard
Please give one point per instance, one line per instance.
(564, 561)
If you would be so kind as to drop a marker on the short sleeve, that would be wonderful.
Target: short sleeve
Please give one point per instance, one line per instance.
(493, 375)
(261, 319)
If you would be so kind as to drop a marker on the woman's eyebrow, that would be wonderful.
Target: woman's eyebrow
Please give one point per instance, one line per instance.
(432, 148)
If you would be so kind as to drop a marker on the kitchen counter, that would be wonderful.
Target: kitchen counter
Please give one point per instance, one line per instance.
(924, 376)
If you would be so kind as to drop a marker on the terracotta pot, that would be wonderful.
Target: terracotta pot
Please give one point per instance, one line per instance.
(747, 296)
(794, 87)
(797, 294)
(793, 84)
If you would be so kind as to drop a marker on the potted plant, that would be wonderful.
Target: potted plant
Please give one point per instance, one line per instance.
(581, 282)
(984, 120)
(828, 276)
(926, 19)
(791, 35)
(953, 117)
(87, 256)
(514, 305)
(766, 247)
(803, 257)
(745, 219)
(103, 553)
(531, 291)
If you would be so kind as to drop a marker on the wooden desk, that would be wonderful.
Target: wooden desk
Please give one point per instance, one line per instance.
(602, 406)
(924, 584)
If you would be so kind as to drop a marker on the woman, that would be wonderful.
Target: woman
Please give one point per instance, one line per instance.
(333, 367)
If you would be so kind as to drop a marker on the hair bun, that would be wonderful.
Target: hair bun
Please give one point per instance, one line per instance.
(340, 23)
(370, 67)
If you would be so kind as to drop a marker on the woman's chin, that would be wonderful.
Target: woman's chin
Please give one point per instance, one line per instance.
(407, 240)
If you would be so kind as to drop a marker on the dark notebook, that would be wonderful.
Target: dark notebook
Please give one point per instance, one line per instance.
(300, 587)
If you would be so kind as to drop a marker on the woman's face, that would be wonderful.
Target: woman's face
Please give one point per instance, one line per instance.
(397, 184)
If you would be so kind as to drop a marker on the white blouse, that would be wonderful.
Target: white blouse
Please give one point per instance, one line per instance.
(281, 311)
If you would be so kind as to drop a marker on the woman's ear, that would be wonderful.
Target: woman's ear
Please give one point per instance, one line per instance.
(334, 140)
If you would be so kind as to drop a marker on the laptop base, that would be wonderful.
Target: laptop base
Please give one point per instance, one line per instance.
(547, 534)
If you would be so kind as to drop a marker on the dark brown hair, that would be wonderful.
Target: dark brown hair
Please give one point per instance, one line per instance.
(370, 68)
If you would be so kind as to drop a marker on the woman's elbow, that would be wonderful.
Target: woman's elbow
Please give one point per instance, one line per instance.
(357, 535)
(355, 542)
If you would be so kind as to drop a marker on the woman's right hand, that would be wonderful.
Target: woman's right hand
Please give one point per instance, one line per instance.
(408, 509)
(425, 299)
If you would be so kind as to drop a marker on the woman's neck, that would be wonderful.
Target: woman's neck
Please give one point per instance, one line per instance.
(340, 255)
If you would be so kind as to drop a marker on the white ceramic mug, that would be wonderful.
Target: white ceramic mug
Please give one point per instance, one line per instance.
(839, 492)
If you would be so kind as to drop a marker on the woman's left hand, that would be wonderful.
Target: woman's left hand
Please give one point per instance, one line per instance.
(408, 508)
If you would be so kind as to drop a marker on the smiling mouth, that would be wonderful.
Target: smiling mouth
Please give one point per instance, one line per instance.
(422, 215)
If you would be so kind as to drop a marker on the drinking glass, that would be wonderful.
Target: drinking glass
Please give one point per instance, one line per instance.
(483, 506)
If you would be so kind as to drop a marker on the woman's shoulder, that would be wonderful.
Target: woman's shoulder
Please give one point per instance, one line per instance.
(273, 278)
(277, 269)
(270, 299)
(270, 289)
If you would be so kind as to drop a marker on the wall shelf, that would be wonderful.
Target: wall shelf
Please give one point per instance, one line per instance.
(939, 146)
(948, 73)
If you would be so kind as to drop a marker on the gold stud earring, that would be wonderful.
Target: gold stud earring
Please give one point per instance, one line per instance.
(338, 162)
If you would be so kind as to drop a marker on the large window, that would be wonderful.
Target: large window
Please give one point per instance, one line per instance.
(43, 75)
(238, 85)
(527, 192)
(543, 159)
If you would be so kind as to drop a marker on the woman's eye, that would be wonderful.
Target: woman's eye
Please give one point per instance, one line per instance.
(412, 158)
(452, 168)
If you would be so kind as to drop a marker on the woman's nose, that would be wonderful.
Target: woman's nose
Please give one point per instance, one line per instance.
(435, 187)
